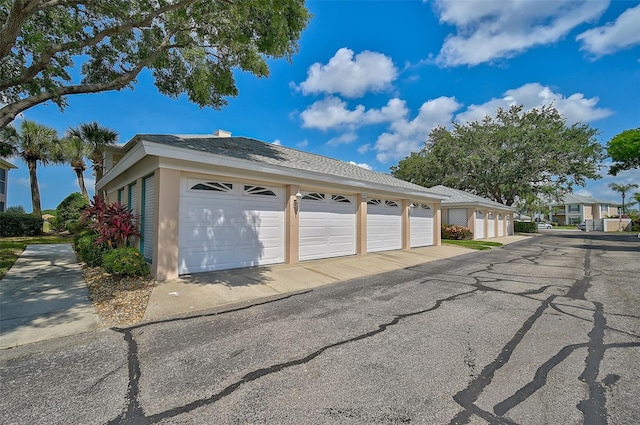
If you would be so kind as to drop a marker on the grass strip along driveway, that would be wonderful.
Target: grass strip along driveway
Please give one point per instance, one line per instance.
(479, 245)
(11, 248)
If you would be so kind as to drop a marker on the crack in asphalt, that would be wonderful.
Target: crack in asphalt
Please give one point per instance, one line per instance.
(593, 408)
(467, 397)
(134, 414)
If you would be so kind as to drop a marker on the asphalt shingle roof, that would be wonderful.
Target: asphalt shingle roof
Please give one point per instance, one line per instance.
(461, 197)
(269, 153)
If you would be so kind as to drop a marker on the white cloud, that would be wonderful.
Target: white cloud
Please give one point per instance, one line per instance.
(89, 183)
(614, 36)
(303, 144)
(364, 148)
(343, 139)
(574, 108)
(332, 112)
(583, 192)
(361, 165)
(277, 142)
(490, 29)
(349, 76)
(409, 136)
(600, 189)
(26, 183)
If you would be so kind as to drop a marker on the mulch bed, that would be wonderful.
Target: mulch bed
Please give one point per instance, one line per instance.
(120, 301)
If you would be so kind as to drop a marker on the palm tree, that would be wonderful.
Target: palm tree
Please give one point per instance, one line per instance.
(34, 143)
(623, 188)
(635, 199)
(97, 138)
(73, 152)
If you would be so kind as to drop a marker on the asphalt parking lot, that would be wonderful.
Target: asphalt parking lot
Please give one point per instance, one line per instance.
(545, 331)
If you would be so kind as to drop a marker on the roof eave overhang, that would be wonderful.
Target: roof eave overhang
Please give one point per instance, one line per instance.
(478, 205)
(137, 148)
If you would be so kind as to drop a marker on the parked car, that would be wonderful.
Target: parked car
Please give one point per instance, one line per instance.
(545, 226)
(582, 226)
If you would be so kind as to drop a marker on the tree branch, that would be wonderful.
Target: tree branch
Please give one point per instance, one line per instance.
(10, 111)
(19, 13)
(39, 64)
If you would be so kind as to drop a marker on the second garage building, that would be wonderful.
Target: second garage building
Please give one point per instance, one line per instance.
(215, 202)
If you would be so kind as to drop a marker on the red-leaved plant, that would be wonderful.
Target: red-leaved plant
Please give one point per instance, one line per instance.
(114, 223)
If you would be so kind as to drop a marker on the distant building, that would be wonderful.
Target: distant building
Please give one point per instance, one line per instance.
(4, 180)
(576, 209)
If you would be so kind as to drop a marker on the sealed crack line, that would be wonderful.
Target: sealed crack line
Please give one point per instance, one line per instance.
(135, 414)
(218, 313)
(465, 415)
(594, 408)
(469, 395)
(539, 380)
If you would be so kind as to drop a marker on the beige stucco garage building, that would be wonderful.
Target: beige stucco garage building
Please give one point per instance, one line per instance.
(214, 202)
(485, 218)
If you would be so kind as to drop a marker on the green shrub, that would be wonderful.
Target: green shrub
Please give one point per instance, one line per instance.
(69, 211)
(455, 232)
(16, 209)
(20, 224)
(525, 227)
(82, 234)
(124, 261)
(88, 251)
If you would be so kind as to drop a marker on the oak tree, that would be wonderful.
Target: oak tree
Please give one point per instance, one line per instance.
(508, 157)
(624, 149)
(190, 46)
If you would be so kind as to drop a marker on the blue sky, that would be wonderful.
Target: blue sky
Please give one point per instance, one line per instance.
(372, 78)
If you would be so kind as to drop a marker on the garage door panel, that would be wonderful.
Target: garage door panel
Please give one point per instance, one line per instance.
(492, 225)
(384, 225)
(222, 224)
(327, 228)
(421, 224)
(479, 225)
(223, 230)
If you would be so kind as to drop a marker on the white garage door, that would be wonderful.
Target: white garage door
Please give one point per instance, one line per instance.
(226, 225)
(457, 216)
(492, 225)
(421, 225)
(500, 225)
(479, 225)
(327, 225)
(509, 227)
(384, 225)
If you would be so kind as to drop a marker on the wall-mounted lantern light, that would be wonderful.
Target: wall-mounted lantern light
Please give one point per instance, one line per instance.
(297, 201)
(411, 207)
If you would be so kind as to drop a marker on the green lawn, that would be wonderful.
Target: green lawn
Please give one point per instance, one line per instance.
(11, 248)
(479, 245)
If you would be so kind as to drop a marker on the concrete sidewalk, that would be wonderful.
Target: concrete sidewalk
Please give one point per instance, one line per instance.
(44, 296)
(203, 291)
